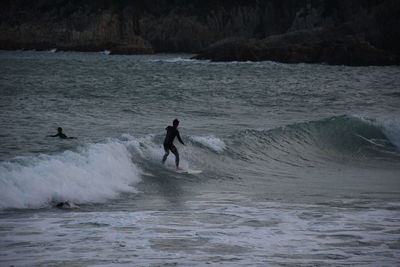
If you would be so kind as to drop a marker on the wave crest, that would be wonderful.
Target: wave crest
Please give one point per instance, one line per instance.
(335, 137)
(210, 142)
(93, 173)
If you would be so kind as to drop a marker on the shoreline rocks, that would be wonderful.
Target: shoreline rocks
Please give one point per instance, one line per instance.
(313, 46)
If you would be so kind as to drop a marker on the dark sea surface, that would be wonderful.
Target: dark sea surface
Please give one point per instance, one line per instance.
(300, 162)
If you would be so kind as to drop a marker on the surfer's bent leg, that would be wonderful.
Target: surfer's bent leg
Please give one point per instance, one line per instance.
(166, 154)
(175, 152)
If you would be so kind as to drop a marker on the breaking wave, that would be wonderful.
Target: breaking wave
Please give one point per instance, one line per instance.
(98, 172)
(93, 173)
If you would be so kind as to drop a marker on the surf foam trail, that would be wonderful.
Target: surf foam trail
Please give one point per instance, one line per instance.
(92, 173)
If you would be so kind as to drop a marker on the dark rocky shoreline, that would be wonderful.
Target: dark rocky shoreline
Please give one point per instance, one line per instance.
(352, 32)
(311, 46)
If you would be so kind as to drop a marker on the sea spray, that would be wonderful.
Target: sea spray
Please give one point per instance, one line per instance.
(391, 129)
(211, 142)
(150, 150)
(93, 173)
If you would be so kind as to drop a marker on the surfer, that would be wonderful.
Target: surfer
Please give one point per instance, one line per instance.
(61, 134)
(172, 132)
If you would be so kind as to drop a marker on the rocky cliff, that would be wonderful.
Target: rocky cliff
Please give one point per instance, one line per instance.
(368, 35)
(281, 30)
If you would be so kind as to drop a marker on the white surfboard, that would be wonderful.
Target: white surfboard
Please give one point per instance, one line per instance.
(183, 171)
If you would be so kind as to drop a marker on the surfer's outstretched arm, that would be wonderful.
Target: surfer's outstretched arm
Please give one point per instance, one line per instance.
(180, 139)
(61, 134)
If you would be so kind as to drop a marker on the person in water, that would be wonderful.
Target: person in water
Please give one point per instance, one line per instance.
(172, 132)
(65, 204)
(61, 134)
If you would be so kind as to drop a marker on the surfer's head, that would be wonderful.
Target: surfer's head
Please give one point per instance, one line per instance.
(175, 123)
(59, 129)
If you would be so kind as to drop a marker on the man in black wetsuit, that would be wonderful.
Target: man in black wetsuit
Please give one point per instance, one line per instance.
(172, 132)
(61, 134)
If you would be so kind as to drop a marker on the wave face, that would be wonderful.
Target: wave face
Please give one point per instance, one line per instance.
(93, 173)
(342, 139)
(335, 138)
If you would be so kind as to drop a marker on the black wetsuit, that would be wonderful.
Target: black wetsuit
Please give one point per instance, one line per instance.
(61, 135)
(172, 132)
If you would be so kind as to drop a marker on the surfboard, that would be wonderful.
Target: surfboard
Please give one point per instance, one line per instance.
(183, 171)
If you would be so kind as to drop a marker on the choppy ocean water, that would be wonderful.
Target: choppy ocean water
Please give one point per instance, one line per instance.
(301, 162)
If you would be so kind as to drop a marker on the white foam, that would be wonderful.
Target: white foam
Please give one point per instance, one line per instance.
(391, 128)
(283, 233)
(389, 125)
(211, 142)
(94, 173)
(144, 146)
(147, 148)
(179, 59)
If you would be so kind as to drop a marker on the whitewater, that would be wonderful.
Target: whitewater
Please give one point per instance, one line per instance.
(300, 162)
